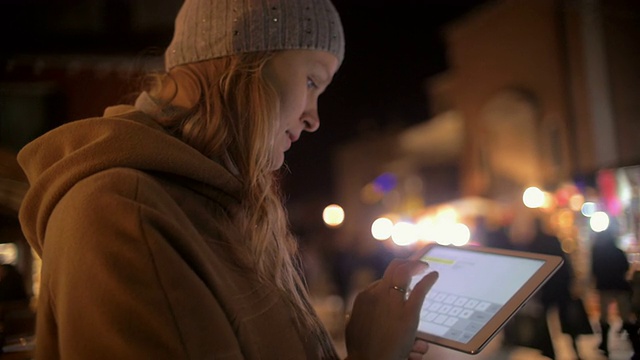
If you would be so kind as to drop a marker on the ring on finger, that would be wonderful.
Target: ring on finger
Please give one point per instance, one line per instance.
(398, 288)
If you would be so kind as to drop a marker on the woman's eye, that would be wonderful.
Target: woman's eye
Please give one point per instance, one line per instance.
(311, 84)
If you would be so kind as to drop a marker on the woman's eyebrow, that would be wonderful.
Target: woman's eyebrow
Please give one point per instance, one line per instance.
(322, 71)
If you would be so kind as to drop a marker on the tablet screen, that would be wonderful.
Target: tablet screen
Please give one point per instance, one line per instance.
(477, 291)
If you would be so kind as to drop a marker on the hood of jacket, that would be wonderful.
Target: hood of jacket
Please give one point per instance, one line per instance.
(124, 137)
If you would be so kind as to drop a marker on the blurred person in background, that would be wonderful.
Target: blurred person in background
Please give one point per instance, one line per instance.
(610, 267)
(529, 327)
(559, 294)
(160, 225)
(633, 276)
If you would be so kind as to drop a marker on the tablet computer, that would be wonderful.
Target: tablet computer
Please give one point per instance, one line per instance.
(478, 290)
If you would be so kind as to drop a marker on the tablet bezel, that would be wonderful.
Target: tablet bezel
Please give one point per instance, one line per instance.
(508, 310)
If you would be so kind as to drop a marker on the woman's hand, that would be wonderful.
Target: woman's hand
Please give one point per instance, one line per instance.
(384, 320)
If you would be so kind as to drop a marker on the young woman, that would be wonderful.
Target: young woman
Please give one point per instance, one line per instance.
(160, 226)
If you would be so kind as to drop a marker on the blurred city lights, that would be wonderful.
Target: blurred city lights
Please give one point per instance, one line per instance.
(426, 229)
(385, 182)
(333, 215)
(382, 228)
(404, 233)
(8, 253)
(460, 234)
(370, 194)
(562, 196)
(565, 218)
(548, 202)
(448, 215)
(533, 197)
(599, 221)
(576, 201)
(588, 209)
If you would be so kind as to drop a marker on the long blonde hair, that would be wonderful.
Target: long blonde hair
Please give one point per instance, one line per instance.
(235, 118)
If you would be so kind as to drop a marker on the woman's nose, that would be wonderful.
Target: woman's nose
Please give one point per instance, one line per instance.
(311, 121)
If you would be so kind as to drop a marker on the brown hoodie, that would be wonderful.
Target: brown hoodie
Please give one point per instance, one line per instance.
(131, 225)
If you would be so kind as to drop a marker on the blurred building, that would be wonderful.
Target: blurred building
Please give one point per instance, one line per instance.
(548, 89)
(538, 93)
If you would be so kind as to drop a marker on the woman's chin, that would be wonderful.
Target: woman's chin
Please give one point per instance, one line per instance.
(277, 162)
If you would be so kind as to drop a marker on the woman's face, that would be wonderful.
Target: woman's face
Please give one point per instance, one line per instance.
(298, 77)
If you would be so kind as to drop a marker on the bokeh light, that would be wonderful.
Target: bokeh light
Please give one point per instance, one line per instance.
(404, 233)
(370, 194)
(460, 234)
(385, 182)
(565, 218)
(599, 221)
(576, 201)
(447, 215)
(8, 253)
(425, 227)
(333, 215)
(588, 209)
(382, 228)
(533, 197)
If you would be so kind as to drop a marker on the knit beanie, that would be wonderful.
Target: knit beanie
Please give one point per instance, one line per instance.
(208, 29)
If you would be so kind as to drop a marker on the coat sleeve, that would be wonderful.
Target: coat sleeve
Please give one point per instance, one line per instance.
(106, 290)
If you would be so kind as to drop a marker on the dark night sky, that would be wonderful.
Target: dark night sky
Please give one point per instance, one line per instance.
(392, 47)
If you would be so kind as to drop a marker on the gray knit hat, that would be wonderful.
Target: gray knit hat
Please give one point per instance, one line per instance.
(208, 29)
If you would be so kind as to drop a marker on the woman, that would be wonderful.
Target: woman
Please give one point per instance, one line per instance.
(160, 225)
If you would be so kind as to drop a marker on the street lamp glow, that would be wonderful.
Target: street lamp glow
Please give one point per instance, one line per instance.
(533, 197)
(426, 229)
(382, 228)
(448, 215)
(442, 236)
(333, 215)
(460, 234)
(599, 221)
(588, 209)
(404, 233)
(576, 201)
